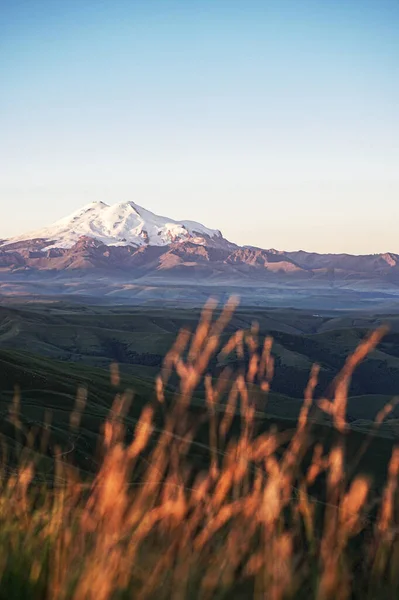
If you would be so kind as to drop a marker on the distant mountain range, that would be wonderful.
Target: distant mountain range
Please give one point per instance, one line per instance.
(126, 238)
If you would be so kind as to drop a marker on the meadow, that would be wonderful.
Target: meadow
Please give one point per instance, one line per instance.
(196, 489)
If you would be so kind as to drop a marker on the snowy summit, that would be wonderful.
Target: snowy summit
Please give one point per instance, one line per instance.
(121, 224)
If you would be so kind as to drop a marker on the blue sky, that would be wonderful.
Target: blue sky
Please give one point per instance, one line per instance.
(276, 121)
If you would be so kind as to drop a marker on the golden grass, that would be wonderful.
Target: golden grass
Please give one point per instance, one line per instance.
(247, 524)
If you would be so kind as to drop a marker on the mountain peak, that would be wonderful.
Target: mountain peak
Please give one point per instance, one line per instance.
(122, 224)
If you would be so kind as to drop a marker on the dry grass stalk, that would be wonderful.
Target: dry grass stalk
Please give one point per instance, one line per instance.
(248, 517)
(337, 408)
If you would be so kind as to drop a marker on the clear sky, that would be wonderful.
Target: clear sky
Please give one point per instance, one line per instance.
(276, 121)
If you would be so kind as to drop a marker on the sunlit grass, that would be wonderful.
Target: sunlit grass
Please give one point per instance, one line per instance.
(246, 513)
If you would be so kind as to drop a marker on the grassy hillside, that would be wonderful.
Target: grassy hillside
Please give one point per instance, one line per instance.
(50, 351)
(48, 389)
(138, 339)
(211, 496)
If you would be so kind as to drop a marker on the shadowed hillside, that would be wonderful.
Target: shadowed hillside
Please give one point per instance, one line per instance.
(195, 495)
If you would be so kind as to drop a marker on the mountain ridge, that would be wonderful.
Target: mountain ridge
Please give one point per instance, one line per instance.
(128, 237)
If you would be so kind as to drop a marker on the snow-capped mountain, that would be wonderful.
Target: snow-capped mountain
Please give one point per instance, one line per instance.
(128, 240)
(124, 224)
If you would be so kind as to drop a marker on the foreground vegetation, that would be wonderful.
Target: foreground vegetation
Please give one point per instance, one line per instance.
(203, 502)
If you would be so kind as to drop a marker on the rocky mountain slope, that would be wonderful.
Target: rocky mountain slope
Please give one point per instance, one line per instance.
(126, 238)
